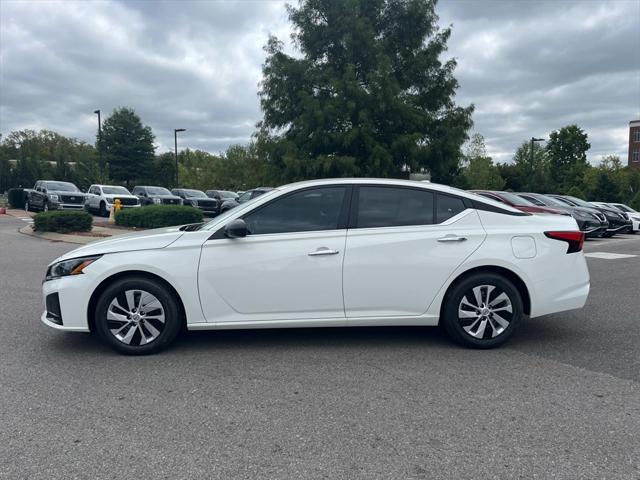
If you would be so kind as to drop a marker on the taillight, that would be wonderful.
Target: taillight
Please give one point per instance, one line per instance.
(574, 239)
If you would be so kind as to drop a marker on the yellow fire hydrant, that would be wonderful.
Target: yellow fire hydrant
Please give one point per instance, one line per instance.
(117, 205)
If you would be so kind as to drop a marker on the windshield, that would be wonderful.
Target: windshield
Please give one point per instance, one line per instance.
(194, 194)
(553, 202)
(580, 202)
(115, 191)
(622, 207)
(515, 199)
(61, 187)
(225, 194)
(158, 191)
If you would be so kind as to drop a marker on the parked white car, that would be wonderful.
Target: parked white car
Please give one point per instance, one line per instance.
(633, 215)
(100, 199)
(346, 252)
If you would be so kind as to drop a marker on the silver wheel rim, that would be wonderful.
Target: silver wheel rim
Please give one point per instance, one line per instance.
(46, 207)
(485, 312)
(135, 317)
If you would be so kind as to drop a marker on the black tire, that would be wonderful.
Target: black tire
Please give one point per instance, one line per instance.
(103, 210)
(168, 330)
(463, 330)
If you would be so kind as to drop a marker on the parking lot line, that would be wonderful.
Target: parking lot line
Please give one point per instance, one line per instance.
(608, 256)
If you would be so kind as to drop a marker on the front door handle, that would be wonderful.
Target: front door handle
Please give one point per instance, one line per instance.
(323, 251)
(452, 238)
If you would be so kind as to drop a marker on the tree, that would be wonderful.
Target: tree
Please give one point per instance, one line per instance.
(532, 172)
(567, 151)
(478, 169)
(635, 202)
(127, 146)
(368, 96)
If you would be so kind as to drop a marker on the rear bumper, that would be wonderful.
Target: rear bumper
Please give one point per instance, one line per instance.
(555, 292)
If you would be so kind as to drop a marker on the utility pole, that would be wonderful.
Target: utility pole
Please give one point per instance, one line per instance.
(175, 142)
(97, 112)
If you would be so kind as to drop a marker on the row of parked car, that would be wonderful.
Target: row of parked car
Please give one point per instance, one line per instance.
(53, 195)
(595, 219)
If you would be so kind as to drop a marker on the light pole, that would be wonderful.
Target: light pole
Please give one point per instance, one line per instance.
(97, 112)
(534, 139)
(175, 142)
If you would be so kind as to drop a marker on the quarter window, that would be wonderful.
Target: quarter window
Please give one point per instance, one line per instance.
(393, 207)
(305, 211)
(448, 206)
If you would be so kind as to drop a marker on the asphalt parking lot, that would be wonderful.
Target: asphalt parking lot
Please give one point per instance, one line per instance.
(561, 400)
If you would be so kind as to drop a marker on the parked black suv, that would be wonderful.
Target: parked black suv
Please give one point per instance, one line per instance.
(245, 197)
(618, 222)
(589, 220)
(53, 195)
(198, 199)
(221, 195)
(156, 196)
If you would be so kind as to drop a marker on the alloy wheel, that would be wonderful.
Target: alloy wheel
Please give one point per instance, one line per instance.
(485, 311)
(136, 317)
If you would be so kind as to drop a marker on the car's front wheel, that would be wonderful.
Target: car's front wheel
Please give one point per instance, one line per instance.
(482, 310)
(137, 316)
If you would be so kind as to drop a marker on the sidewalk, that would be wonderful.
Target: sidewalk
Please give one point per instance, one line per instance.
(81, 238)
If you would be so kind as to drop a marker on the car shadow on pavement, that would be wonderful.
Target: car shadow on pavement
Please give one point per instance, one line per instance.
(530, 333)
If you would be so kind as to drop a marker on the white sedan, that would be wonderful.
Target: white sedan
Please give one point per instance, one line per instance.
(346, 252)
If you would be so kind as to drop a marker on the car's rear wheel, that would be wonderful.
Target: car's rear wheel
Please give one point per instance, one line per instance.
(482, 310)
(137, 316)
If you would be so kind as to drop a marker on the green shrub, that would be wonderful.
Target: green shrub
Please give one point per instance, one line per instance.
(158, 216)
(62, 221)
(16, 197)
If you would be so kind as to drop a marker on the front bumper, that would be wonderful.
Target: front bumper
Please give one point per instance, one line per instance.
(73, 302)
(66, 206)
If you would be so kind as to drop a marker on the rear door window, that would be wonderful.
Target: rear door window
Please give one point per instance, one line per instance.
(448, 206)
(393, 207)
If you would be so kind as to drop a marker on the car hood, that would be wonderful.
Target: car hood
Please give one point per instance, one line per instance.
(172, 197)
(145, 240)
(63, 192)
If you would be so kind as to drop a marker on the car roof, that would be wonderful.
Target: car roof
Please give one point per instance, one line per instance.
(400, 183)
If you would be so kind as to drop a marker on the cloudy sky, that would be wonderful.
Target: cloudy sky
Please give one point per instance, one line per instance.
(528, 66)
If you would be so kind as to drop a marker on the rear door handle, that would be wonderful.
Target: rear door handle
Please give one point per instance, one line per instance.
(451, 238)
(323, 251)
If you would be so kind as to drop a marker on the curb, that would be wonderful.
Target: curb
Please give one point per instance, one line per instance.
(59, 237)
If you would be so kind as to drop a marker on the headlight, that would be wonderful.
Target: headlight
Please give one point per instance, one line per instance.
(109, 200)
(637, 219)
(157, 200)
(194, 203)
(75, 266)
(53, 197)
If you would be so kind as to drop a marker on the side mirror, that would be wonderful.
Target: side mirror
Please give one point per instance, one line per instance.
(236, 229)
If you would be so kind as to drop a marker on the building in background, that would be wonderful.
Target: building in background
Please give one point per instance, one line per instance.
(634, 143)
